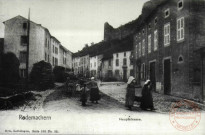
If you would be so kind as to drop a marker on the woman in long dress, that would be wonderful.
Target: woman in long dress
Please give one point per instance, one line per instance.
(83, 95)
(147, 100)
(94, 91)
(130, 94)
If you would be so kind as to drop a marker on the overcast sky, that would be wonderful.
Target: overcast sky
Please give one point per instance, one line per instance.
(73, 22)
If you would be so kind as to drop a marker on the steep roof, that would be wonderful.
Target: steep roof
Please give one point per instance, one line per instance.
(19, 16)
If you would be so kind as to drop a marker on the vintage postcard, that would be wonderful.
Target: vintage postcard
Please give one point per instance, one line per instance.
(102, 67)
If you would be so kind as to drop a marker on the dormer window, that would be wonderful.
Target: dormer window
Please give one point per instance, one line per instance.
(167, 13)
(180, 4)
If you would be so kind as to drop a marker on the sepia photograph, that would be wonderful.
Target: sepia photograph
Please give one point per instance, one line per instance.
(102, 67)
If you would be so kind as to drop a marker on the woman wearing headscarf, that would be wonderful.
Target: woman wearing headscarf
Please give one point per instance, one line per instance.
(83, 97)
(147, 100)
(94, 90)
(130, 95)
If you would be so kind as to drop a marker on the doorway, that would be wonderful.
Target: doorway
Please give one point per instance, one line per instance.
(153, 75)
(124, 75)
(167, 76)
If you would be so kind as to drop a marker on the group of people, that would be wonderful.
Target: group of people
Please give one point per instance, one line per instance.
(88, 87)
(146, 99)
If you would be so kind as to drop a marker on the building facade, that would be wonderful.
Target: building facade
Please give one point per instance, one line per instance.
(107, 68)
(122, 66)
(65, 57)
(165, 45)
(76, 65)
(42, 45)
(84, 65)
(95, 66)
(55, 47)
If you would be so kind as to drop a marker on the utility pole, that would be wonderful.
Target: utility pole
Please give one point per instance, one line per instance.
(27, 58)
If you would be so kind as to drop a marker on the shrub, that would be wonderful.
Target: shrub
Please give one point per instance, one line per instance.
(10, 69)
(59, 74)
(41, 75)
(110, 79)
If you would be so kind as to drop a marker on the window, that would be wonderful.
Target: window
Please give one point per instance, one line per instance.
(109, 62)
(143, 31)
(131, 72)
(25, 25)
(143, 47)
(180, 59)
(149, 26)
(155, 40)
(56, 62)
(56, 50)
(53, 61)
(64, 60)
(48, 45)
(22, 73)
(94, 64)
(45, 56)
(166, 13)
(167, 34)
(124, 61)
(53, 49)
(117, 72)
(180, 29)
(117, 62)
(143, 71)
(155, 21)
(22, 57)
(140, 49)
(135, 37)
(48, 58)
(180, 4)
(149, 44)
(117, 55)
(136, 50)
(24, 40)
(131, 62)
(124, 54)
(91, 65)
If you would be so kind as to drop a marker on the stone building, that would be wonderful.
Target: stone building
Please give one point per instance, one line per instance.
(95, 65)
(122, 66)
(84, 65)
(55, 47)
(107, 67)
(65, 57)
(165, 44)
(121, 32)
(42, 45)
(76, 63)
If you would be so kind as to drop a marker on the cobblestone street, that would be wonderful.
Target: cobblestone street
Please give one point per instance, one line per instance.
(162, 103)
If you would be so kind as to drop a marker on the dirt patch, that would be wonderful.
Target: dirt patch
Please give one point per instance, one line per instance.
(17, 100)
